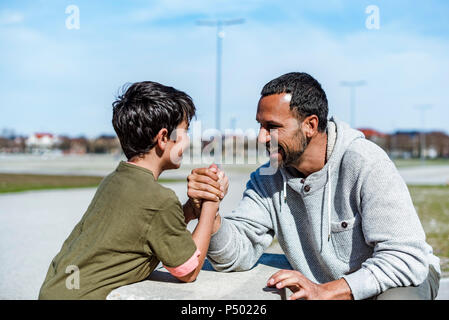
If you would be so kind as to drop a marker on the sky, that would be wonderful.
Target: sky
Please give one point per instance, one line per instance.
(59, 79)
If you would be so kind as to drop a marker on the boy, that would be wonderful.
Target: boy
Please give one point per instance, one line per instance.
(133, 223)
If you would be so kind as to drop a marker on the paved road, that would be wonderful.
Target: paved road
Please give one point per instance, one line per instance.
(103, 164)
(33, 225)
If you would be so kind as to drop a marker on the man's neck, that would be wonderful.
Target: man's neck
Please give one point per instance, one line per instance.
(148, 162)
(314, 157)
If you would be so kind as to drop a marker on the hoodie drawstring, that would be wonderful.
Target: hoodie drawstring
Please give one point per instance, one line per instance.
(285, 190)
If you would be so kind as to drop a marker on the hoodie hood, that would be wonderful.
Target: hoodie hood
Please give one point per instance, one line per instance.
(340, 137)
(344, 137)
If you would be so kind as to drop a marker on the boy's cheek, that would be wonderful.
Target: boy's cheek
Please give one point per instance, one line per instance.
(176, 153)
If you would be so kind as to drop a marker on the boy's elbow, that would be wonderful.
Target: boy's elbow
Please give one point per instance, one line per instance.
(191, 277)
(188, 280)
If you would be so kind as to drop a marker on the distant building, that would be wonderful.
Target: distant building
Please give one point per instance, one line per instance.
(105, 144)
(41, 142)
(408, 144)
(73, 145)
(375, 136)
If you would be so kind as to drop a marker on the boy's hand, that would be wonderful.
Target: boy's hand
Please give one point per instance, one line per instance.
(206, 184)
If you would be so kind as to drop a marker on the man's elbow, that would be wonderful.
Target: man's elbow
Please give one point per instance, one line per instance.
(420, 272)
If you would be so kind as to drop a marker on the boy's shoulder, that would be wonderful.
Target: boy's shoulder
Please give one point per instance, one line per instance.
(165, 196)
(133, 183)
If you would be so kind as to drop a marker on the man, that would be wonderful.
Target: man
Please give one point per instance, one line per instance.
(340, 210)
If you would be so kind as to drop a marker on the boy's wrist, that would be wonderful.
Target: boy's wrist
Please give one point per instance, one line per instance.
(210, 206)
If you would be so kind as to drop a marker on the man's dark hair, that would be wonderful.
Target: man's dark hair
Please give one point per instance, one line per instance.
(308, 97)
(143, 110)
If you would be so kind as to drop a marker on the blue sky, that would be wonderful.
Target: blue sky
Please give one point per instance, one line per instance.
(63, 81)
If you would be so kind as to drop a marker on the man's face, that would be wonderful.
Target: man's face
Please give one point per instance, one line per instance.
(279, 125)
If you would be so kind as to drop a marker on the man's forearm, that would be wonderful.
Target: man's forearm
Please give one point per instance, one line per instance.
(217, 223)
(338, 290)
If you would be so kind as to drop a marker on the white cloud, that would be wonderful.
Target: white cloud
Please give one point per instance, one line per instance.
(8, 17)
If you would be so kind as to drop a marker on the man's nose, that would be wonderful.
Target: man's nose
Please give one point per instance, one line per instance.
(264, 136)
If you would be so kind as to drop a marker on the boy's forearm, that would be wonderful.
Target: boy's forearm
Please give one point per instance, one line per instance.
(203, 231)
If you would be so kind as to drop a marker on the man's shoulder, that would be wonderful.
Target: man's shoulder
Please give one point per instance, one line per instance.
(364, 152)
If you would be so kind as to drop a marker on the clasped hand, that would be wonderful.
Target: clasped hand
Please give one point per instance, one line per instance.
(209, 184)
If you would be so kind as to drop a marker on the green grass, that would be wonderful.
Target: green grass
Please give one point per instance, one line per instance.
(28, 182)
(432, 205)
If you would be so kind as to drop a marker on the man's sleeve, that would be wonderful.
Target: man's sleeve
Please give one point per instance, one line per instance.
(391, 225)
(244, 233)
(171, 242)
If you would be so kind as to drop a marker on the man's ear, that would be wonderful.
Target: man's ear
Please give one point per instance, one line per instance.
(162, 139)
(311, 125)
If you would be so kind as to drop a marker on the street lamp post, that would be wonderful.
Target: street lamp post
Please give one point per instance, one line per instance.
(219, 24)
(352, 86)
(423, 108)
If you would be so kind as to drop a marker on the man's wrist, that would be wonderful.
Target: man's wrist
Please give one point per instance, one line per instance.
(338, 290)
(217, 223)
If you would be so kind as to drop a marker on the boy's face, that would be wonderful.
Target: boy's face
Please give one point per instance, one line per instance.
(179, 141)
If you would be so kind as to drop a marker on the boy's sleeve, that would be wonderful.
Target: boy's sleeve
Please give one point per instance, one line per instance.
(171, 242)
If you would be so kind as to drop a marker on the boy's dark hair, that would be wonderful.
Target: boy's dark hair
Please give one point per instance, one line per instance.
(308, 97)
(143, 110)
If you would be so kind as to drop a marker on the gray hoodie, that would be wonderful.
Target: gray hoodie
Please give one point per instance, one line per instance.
(353, 219)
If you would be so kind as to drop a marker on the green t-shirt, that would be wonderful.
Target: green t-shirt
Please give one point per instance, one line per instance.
(131, 225)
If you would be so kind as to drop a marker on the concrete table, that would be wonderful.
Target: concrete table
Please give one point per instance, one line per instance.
(210, 284)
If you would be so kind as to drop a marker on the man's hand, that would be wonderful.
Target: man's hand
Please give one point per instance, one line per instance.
(206, 184)
(303, 288)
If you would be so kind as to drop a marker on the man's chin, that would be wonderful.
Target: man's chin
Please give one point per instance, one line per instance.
(276, 157)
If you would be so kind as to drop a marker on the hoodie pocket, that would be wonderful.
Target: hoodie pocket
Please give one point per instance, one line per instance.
(347, 239)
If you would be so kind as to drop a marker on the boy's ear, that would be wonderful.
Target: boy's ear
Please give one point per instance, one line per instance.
(162, 138)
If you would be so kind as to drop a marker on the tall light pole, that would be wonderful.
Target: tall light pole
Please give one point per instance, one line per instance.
(352, 85)
(423, 108)
(219, 24)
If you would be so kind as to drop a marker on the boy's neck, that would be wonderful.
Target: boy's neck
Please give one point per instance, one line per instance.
(148, 162)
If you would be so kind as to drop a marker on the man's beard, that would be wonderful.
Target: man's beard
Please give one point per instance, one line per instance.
(291, 157)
